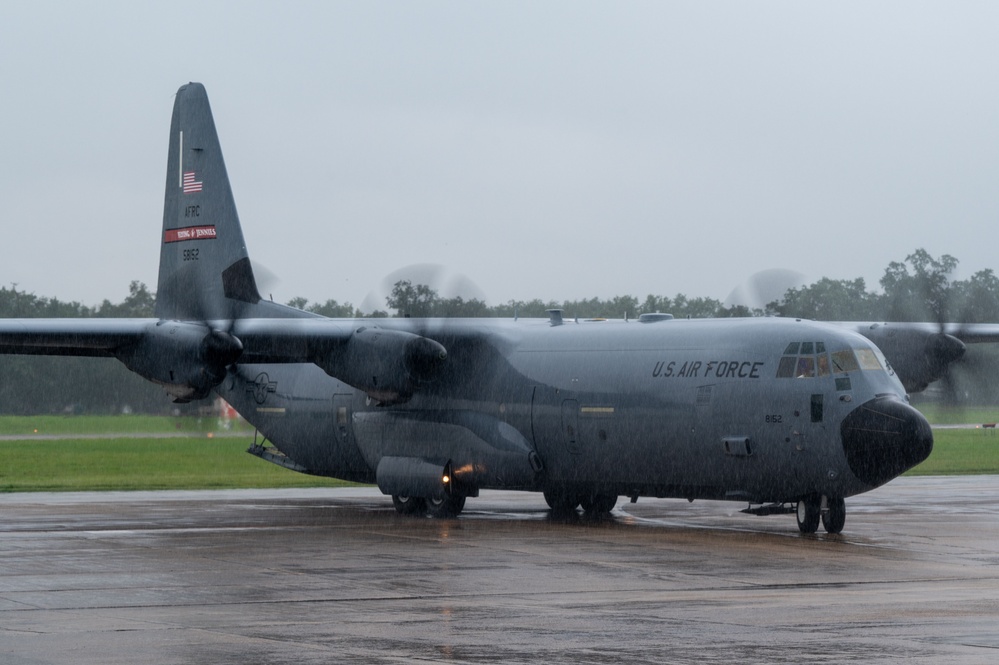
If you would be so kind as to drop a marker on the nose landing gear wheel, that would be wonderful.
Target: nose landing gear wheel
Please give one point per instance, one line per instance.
(808, 513)
(834, 517)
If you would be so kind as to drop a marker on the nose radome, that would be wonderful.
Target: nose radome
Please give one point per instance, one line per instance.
(883, 438)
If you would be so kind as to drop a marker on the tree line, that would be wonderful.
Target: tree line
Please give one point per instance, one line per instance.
(919, 288)
(43, 384)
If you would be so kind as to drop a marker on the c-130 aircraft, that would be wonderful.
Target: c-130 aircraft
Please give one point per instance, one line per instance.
(786, 415)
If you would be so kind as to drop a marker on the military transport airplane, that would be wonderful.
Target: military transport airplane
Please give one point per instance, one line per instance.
(786, 415)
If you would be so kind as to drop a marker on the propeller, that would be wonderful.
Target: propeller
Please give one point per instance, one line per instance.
(948, 352)
(445, 283)
(764, 287)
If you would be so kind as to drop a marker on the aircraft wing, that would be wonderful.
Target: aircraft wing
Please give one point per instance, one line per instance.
(386, 359)
(266, 340)
(974, 333)
(969, 333)
(70, 337)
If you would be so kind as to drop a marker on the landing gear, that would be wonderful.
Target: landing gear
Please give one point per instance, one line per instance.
(832, 512)
(561, 502)
(808, 512)
(448, 506)
(834, 516)
(409, 505)
(599, 504)
(564, 502)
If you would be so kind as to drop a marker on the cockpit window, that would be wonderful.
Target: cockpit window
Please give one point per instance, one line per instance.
(868, 359)
(805, 360)
(785, 370)
(844, 361)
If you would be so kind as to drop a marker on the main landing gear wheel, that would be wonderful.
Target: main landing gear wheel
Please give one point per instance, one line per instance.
(808, 512)
(834, 516)
(448, 506)
(561, 503)
(409, 505)
(599, 504)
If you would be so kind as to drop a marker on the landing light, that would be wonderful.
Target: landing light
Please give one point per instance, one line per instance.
(446, 479)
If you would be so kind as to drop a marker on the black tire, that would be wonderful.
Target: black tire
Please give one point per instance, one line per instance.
(808, 514)
(561, 502)
(600, 504)
(834, 517)
(448, 506)
(409, 505)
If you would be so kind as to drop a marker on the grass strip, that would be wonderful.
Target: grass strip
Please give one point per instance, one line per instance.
(134, 424)
(961, 451)
(142, 464)
(939, 414)
(201, 462)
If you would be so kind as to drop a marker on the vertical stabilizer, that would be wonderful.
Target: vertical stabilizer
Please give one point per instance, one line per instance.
(205, 271)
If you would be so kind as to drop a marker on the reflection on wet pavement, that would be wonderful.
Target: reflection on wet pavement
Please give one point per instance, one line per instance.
(319, 576)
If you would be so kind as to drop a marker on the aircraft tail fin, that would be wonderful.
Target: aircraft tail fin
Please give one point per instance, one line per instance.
(205, 271)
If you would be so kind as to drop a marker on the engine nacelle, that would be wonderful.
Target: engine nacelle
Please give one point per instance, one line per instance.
(412, 476)
(187, 359)
(919, 357)
(388, 365)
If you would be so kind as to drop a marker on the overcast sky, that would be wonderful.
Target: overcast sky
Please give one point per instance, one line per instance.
(555, 150)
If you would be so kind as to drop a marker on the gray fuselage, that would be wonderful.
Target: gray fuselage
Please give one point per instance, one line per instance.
(752, 410)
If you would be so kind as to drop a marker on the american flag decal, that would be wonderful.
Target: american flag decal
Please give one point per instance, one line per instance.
(190, 184)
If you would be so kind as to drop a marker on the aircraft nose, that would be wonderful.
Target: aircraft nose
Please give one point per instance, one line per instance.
(883, 438)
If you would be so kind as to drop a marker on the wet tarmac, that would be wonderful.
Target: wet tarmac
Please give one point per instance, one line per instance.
(334, 576)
